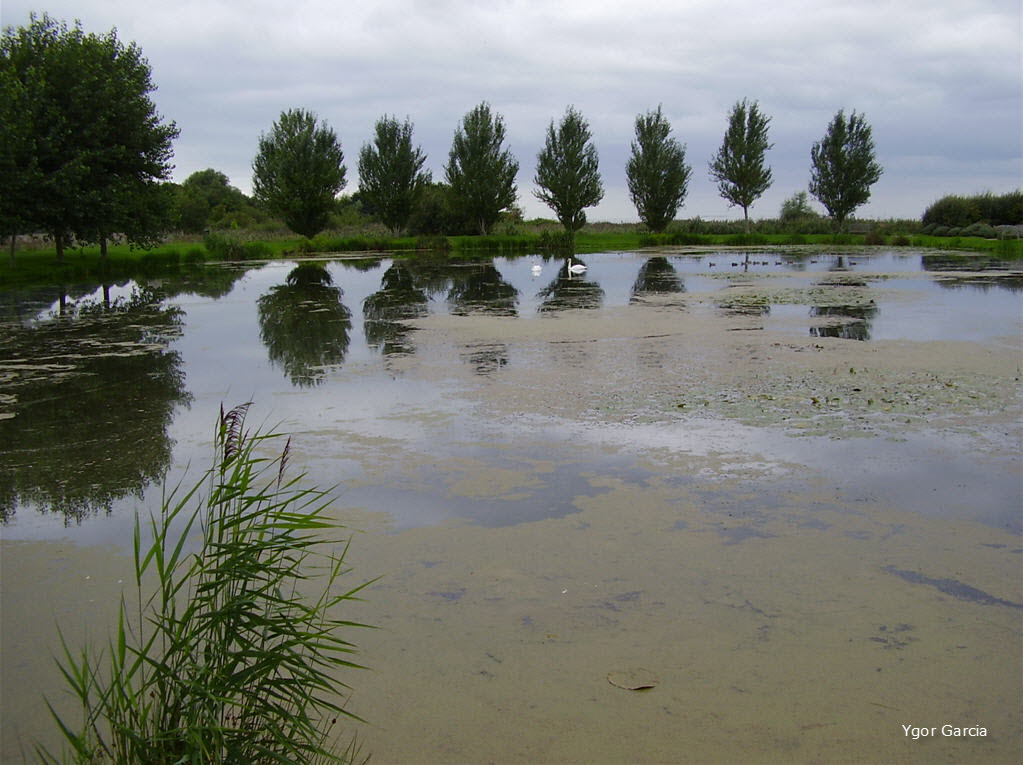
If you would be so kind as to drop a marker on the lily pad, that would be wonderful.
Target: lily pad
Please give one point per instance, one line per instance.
(636, 679)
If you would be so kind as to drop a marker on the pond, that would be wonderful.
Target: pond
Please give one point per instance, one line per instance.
(782, 478)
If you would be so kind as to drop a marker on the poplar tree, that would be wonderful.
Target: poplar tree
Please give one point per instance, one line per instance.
(391, 175)
(843, 166)
(567, 175)
(738, 167)
(480, 171)
(299, 171)
(657, 173)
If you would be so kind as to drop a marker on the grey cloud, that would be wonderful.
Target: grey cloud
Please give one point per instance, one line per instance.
(939, 81)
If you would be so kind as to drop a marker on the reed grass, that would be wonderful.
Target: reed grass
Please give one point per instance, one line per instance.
(224, 657)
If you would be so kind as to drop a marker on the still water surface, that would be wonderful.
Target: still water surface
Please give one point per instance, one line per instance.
(149, 365)
(752, 474)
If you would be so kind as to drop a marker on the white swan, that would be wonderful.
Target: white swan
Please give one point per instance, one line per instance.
(536, 268)
(578, 268)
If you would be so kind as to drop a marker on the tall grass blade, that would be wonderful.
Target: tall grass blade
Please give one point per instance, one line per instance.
(234, 652)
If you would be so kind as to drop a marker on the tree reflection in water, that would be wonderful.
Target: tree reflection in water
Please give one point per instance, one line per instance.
(569, 291)
(854, 321)
(304, 325)
(657, 276)
(386, 310)
(479, 288)
(89, 392)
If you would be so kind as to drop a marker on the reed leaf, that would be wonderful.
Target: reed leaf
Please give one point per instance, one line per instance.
(234, 651)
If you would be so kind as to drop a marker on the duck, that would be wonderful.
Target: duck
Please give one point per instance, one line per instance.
(578, 268)
(536, 268)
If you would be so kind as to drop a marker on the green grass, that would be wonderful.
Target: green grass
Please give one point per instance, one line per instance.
(39, 266)
(230, 654)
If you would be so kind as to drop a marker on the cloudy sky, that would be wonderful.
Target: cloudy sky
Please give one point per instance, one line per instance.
(939, 80)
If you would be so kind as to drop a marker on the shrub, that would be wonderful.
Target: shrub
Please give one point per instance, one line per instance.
(224, 246)
(555, 242)
(951, 211)
(157, 261)
(982, 230)
(226, 660)
(747, 240)
(995, 210)
(434, 243)
(256, 251)
(193, 256)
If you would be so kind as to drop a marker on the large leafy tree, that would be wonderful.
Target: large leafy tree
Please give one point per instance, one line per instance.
(19, 165)
(480, 171)
(738, 167)
(843, 166)
(391, 175)
(657, 172)
(299, 171)
(205, 196)
(82, 148)
(567, 174)
(797, 208)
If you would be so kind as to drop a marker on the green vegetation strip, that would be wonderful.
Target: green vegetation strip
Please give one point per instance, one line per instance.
(39, 266)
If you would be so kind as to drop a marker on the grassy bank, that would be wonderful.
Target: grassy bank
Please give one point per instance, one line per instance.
(39, 266)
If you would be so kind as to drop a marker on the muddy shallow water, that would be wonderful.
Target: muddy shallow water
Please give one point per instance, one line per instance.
(809, 536)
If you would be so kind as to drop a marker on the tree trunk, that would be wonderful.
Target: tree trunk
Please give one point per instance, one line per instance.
(14, 239)
(58, 239)
(103, 249)
(745, 216)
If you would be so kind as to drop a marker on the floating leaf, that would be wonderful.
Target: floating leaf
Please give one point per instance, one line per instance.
(636, 679)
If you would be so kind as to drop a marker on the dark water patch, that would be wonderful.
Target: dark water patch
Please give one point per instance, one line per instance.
(449, 595)
(626, 597)
(485, 358)
(894, 637)
(859, 534)
(1013, 282)
(550, 493)
(738, 534)
(953, 262)
(953, 587)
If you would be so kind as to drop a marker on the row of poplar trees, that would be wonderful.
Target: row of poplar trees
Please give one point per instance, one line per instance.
(481, 171)
(85, 155)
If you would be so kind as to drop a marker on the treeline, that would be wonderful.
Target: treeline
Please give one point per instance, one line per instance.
(85, 158)
(976, 215)
(206, 201)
